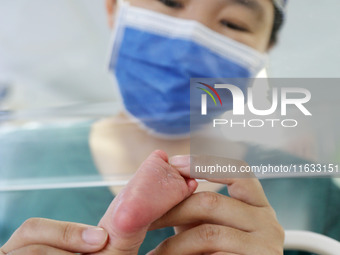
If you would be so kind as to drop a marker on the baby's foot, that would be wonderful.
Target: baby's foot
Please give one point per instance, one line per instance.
(154, 189)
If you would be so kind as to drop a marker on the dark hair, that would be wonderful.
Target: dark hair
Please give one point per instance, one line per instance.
(278, 21)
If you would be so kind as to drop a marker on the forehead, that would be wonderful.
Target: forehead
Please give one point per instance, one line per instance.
(252, 5)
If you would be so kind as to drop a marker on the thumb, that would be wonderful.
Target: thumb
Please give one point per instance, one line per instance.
(155, 189)
(242, 185)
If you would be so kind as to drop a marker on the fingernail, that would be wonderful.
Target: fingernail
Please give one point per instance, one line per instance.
(94, 236)
(180, 161)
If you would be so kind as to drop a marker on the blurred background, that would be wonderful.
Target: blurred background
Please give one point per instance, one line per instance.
(54, 53)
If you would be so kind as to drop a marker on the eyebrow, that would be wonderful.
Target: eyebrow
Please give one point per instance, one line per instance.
(252, 5)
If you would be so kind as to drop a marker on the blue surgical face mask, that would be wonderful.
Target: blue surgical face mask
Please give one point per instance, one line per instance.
(154, 56)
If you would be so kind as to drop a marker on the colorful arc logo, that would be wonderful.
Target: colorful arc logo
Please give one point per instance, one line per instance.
(213, 90)
(204, 97)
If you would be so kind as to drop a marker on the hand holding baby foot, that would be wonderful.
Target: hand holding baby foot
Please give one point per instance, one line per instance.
(154, 189)
(211, 223)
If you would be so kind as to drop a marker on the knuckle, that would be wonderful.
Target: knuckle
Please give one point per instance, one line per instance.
(239, 190)
(28, 227)
(272, 212)
(208, 233)
(209, 200)
(279, 231)
(67, 233)
(264, 215)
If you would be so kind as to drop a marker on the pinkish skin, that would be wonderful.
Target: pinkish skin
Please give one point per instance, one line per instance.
(155, 188)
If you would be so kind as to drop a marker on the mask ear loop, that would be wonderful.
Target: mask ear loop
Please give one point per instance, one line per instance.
(115, 43)
(117, 34)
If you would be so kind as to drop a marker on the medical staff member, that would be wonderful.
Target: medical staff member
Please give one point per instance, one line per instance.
(219, 39)
(156, 46)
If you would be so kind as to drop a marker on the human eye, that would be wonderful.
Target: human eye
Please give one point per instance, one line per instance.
(234, 26)
(172, 3)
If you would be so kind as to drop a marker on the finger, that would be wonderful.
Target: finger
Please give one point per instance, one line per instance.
(67, 236)
(39, 249)
(247, 189)
(208, 238)
(154, 189)
(214, 208)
